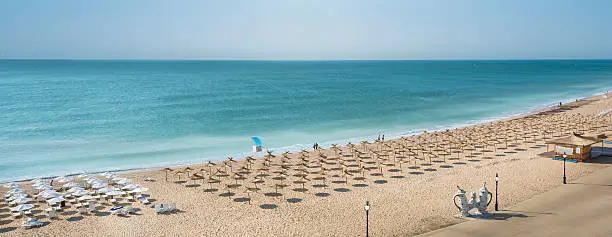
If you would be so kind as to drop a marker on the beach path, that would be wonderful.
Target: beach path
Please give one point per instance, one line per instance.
(580, 208)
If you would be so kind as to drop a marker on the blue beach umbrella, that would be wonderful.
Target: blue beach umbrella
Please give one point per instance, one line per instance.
(257, 146)
(256, 141)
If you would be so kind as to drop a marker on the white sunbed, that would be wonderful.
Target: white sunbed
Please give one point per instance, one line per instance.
(16, 215)
(31, 223)
(131, 211)
(165, 208)
(144, 200)
(92, 207)
(51, 214)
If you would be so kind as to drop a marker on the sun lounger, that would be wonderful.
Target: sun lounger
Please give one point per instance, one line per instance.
(82, 211)
(92, 207)
(131, 198)
(16, 215)
(51, 214)
(27, 212)
(120, 212)
(164, 208)
(32, 223)
(131, 211)
(144, 200)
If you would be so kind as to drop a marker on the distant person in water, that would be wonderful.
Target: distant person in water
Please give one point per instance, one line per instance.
(378, 138)
(315, 146)
(383, 138)
(560, 104)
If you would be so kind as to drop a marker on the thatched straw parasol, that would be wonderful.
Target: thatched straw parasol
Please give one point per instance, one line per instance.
(167, 170)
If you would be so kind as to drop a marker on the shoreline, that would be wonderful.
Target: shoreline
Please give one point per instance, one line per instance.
(410, 194)
(545, 108)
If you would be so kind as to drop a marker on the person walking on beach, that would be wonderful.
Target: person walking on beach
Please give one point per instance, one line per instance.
(378, 138)
(383, 138)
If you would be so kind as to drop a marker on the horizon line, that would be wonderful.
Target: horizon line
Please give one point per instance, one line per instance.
(299, 60)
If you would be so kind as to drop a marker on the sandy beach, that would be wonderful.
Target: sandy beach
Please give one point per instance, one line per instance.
(409, 183)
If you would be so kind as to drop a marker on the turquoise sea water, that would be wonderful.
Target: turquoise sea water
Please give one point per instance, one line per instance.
(59, 117)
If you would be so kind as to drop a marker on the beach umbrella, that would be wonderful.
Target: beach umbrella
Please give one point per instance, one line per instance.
(43, 187)
(187, 170)
(63, 179)
(14, 191)
(80, 192)
(123, 181)
(22, 207)
(109, 175)
(56, 200)
(37, 182)
(86, 197)
(166, 170)
(211, 181)
(114, 193)
(12, 185)
(140, 190)
(74, 189)
(92, 180)
(99, 185)
(107, 189)
(70, 185)
(21, 200)
(131, 186)
(179, 173)
(16, 196)
(48, 194)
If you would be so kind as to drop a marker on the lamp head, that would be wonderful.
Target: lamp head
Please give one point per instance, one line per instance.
(367, 206)
(564, 155)
(496, 177)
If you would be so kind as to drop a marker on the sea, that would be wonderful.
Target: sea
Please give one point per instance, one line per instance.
(60, 117)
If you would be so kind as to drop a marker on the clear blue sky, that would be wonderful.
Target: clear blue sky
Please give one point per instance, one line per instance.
(311, 29)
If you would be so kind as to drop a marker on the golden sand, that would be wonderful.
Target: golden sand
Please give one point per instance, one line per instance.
(412, 194)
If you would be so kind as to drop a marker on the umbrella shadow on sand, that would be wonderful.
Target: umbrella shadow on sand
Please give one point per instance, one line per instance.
(7, 229)
(381, 181)
(69, 213)
(294, 200)
(342, 190)
(268, 206)
(75, 218)
(105, 213)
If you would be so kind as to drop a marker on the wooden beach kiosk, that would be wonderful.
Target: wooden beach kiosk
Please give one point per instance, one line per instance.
(576, 146)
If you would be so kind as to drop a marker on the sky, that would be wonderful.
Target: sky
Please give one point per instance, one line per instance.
(306, 30)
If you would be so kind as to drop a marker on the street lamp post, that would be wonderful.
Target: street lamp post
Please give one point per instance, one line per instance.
(496, 183)
(564, 159)
(367, 210)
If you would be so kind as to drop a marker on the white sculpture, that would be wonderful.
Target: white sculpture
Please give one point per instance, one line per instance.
(465, 206)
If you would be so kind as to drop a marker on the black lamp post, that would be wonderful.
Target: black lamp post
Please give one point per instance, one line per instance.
(496, 183)
(564, 159)
(367, 210)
